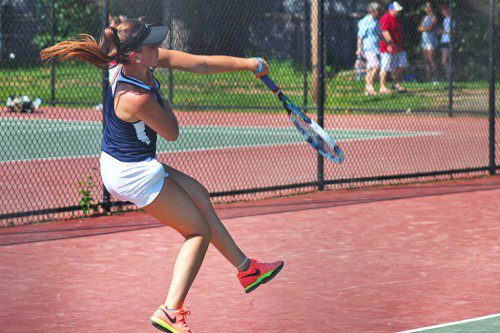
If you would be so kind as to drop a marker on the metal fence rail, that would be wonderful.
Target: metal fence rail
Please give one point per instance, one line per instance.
(234, 137)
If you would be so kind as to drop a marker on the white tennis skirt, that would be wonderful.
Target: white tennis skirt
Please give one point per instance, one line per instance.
(137, 182)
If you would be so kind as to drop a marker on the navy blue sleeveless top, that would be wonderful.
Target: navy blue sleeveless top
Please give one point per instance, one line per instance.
(125, 141)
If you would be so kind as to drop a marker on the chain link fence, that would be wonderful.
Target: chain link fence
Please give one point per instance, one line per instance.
(235, 137)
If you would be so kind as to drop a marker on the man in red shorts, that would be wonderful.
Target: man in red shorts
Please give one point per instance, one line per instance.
(392, 54)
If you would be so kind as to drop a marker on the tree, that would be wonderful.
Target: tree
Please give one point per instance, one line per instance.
(63, 19)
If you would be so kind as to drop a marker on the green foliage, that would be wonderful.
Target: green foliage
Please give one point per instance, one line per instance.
(79, 85)
(70, 19)
(76, 84)
(87, 203)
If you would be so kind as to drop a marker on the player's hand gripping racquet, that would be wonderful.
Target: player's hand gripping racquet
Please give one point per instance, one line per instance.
(310, 130)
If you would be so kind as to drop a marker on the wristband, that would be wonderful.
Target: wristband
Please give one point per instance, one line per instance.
(261, 66)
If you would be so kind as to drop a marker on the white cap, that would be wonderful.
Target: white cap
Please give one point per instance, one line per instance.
(395, 6)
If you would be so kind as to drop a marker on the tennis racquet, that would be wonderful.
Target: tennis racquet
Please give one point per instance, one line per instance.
(310, 130)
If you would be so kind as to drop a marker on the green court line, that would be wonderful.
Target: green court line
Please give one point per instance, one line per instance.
(486, 324)
(29, 139)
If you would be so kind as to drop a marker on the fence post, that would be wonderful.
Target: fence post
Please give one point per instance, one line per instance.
(450, 61)
(305, 53)
(53, 65)
(492, 164)
(321, 87)
(106, 198)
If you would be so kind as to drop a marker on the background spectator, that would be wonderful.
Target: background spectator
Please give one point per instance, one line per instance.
(369, 44)
(446, 39)
(392, 54)
(429, 40)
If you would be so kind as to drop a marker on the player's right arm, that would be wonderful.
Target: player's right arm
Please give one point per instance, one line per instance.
(204, 64)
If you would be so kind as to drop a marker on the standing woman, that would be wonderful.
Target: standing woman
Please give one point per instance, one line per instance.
(429, 40)
(135, 113)
(446, 39)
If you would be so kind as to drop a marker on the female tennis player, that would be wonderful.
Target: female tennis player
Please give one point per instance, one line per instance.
(135, 113)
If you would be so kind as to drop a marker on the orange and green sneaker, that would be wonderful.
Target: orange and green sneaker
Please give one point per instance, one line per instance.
(173, 321)
(258, 273)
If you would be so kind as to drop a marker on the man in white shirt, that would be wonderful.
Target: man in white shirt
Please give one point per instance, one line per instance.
(369, 33)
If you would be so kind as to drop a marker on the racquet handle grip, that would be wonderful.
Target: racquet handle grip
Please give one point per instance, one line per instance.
(270, 84)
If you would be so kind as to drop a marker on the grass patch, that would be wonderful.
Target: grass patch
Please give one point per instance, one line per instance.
(79, 85)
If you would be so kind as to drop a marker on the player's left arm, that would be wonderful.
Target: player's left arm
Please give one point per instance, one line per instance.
(434, 22)
(203, 64)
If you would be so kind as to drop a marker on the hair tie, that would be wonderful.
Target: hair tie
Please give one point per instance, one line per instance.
(114, 54)
(115, 32)
(116, 39)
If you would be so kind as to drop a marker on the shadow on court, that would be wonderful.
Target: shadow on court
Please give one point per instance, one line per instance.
(373, 260)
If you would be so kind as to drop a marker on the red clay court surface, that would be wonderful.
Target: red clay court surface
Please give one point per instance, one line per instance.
(374, 260)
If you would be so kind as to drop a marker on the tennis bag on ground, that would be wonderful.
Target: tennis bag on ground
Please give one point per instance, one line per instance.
(23, 104)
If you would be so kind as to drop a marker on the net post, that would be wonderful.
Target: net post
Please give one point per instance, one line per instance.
(492, 164)
(321, 87)
(105, 85)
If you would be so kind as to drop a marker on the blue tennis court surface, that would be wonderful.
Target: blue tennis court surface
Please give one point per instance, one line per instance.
(486, 324)
(47, 138)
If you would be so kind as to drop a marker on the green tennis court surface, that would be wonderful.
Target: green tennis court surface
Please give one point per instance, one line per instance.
(46, 138)
(486, 324)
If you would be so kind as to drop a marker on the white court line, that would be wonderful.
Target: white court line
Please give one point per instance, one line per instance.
(206, 149)
(451, 324)
(77, 124)
(195, 128)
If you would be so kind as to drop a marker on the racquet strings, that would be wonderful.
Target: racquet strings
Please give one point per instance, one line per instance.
(312, 136)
